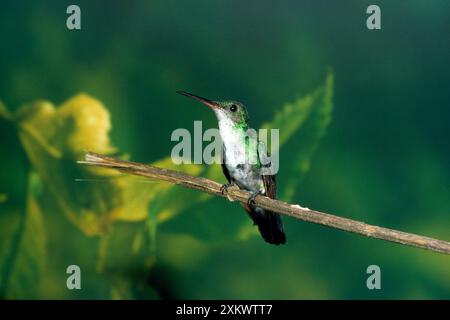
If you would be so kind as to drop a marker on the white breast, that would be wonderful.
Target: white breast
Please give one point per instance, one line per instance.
(239, 163)
(233, 141)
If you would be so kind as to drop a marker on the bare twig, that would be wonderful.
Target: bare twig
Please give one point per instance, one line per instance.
(281, 207)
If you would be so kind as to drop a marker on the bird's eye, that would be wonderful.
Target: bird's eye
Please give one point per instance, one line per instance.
(233, 108)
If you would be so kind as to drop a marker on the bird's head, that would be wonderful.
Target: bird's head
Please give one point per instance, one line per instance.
(232, 111)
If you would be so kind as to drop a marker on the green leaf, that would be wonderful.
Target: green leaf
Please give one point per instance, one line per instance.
(23, 258)
(11, 222)
(4, 112)
(302, 124)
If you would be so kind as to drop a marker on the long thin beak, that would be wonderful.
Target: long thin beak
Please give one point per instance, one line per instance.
(212, 104)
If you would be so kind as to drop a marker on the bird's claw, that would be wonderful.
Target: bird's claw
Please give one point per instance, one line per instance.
(224, 188)
(251, 199)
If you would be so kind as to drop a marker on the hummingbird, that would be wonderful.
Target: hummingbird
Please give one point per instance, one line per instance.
(233, 120)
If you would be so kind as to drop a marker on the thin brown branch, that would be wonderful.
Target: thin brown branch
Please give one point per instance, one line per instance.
(281, 207)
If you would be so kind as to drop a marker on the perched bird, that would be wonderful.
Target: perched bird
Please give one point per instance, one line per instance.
(247, 175)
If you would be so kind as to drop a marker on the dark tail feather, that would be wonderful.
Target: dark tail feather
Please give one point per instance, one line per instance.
(271, 228)
(269, 224)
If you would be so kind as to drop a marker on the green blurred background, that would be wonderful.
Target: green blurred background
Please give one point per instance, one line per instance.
(384, 158)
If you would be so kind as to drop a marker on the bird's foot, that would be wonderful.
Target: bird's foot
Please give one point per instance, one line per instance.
(224, 189)
(251, 199)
